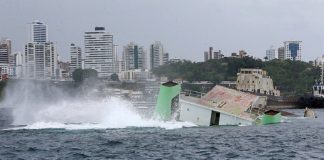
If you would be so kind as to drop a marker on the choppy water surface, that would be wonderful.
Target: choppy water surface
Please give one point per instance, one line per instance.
(297, 139)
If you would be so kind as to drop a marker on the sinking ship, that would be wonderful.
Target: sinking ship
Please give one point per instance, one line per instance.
(220, 106)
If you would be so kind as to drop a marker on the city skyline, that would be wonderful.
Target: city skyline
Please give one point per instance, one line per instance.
(185, 34)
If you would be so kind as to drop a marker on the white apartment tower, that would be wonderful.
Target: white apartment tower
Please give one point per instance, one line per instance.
(134, 57)
(270, 54)
(40, 61)
(76, 57)
(37, 32)
(98, 51)
(5, 53)
(156, 55)
(18, 65)
(293, 50)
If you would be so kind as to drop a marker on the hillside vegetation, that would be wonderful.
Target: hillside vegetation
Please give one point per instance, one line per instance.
(291, 77)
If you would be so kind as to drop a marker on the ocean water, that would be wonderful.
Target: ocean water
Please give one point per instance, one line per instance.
(295, 138)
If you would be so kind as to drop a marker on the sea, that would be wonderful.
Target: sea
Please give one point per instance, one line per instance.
(132, 137)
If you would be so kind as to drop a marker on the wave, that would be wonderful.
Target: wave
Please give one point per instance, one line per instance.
(87, 114)
(86, 126)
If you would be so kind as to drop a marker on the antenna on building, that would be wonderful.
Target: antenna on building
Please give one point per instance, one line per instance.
(322, 73)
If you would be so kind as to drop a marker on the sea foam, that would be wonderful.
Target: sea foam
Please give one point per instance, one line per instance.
(106, 113)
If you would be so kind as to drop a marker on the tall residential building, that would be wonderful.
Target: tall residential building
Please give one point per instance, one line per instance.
(40, 61)
(281, 53)
(156, 54)
(37, 32)
(17, 64)
(5, 51)
(270, 54)
(293, 50)
(98, 51)
(206, 56)
(76, 56)
(116, 59)
(210, 54)
(218, 54)
(134, 57)
(165, 58)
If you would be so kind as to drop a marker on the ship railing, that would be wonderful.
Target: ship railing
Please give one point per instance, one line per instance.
(192, 93)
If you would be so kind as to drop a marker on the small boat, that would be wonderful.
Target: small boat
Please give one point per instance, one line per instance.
(271, 117)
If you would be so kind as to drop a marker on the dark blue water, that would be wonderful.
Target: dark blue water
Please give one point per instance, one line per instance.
(297, 139)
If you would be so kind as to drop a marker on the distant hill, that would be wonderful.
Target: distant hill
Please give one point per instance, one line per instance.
(291, 77)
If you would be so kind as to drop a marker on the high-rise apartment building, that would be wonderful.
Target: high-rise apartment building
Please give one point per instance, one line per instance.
(16, 63)
(270, 54)
(51, 61)
(98, 51)
(206, 56)
(76, 57)
(5, 51)
(40, 61)
(37, 32)
(117, 60)
(165, 58)
(293, 50)
(218, 54)
(134, 57)
(281, 53)
(210, 54)
(156, 54)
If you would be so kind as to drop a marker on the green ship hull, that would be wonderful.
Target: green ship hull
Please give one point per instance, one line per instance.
(271, 117)
(167, 101)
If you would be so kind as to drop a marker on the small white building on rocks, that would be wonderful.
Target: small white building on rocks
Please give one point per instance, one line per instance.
(255, 81)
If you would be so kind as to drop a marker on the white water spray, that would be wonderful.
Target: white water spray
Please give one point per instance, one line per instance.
(89, 114)
(81, 113)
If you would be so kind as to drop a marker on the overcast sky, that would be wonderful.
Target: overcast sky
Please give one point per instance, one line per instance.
(185, 27)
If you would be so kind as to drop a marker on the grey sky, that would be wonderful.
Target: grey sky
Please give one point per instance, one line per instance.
(185, 27)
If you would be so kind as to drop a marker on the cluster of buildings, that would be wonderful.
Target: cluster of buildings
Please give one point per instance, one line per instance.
(210, 54)
(290, 50)
(101, 54)
(40, 59)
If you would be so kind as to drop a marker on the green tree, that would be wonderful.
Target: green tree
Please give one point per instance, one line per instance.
(80, 75)
(291, 77)
(90, 74)
(114, 77)
(77, 75)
